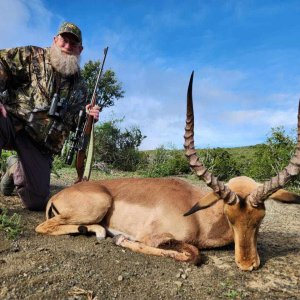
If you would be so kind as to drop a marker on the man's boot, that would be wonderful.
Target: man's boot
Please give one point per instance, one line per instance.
(7, 182)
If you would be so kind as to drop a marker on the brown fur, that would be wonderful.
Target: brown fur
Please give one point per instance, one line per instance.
(150, 212)
(286, 197)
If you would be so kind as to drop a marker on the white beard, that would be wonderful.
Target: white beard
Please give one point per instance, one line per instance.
(63, 63)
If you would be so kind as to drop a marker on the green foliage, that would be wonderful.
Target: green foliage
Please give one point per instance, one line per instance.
(228, 290)
(166, 163)
(117, 148)
(244, 158)
(57, 164)
(260, 162)
(232, 294)
(4, 155)
(272, 156)
(220, 162)
(10, 224)
(109, 89)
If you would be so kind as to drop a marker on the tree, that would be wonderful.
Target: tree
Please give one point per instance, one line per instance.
(117, 148)
(272, 156)
(109, 89)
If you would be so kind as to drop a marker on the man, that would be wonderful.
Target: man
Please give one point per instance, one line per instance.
(32, 81)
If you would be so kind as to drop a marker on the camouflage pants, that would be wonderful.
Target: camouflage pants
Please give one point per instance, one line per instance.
(32, 176)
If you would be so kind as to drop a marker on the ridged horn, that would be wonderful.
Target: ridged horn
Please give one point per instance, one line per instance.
(269, 187)
(201, 171)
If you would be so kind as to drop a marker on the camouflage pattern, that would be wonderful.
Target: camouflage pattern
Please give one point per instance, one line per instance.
(70, 28)
(30, 81)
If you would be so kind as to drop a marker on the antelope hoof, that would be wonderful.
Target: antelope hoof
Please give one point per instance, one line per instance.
(100, 238)
(82, 230)
(118, 239)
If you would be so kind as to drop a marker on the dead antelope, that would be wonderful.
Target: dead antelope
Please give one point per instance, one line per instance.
(147, 215)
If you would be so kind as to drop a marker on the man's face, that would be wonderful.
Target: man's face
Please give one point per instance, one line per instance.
(68, 44)
(65, 54)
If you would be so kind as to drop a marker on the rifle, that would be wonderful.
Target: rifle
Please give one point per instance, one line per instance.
(75, 138)
(84, 136)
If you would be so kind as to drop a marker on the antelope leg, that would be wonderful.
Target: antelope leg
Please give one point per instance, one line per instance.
(120, 240)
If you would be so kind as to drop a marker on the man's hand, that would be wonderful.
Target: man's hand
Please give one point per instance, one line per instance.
(93, 111)
(3, 111)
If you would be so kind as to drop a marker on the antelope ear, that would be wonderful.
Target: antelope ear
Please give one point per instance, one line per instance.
(285, 196)
(205, 202)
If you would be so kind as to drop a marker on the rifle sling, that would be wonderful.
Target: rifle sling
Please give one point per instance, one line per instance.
(90, 155)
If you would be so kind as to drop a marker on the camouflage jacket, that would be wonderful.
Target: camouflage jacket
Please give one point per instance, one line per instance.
(28, 84)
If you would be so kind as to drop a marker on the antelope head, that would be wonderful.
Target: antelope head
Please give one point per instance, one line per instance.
(243, 197)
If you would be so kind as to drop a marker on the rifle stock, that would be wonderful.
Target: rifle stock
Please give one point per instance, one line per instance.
(80, 158)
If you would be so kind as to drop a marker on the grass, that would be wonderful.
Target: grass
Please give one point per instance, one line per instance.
(10, 224)
(228, 290)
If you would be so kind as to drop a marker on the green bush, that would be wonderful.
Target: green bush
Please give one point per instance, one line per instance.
(57, 164)
(272, 156)
(220, 162)
(117, 148)
(166, 163)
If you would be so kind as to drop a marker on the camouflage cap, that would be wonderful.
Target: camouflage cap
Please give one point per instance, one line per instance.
(70, 28)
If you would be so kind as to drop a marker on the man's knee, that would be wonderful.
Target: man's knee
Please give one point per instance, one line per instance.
(36, 207)
(35, 202)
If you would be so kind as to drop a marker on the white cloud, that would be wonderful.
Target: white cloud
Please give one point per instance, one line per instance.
(24, 23)
(268, 118)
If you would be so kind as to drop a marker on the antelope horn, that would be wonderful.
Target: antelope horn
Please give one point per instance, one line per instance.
(201, 171)
(269, 187)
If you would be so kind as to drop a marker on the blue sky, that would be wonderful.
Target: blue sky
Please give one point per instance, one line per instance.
(245, 55)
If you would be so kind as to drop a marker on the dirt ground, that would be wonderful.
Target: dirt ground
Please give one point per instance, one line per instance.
(78, 267)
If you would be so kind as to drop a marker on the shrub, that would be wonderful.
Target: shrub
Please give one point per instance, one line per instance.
(220, 162)
(166, 163)
(117, 148)
(57, 164)
(272, 156)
